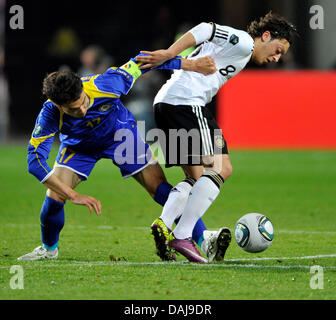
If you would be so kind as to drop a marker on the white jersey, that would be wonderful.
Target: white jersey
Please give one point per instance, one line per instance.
(231, 50)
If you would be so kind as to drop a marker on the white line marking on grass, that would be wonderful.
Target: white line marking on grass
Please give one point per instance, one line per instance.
(321, 256)
(185, 264)
(165, 264)
(306, 232)
(180, 263)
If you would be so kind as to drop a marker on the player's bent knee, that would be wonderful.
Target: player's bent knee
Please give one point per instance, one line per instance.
(220, 164)
(53, 195)
(226, 171)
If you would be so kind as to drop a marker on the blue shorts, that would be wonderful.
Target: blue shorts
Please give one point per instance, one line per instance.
(128, 152)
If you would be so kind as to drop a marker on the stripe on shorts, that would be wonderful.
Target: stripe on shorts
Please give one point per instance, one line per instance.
(204, 130)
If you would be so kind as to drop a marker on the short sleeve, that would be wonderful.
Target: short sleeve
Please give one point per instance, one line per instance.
(239, 41)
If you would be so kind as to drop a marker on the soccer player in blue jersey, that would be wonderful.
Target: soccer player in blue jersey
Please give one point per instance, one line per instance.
(92, 124)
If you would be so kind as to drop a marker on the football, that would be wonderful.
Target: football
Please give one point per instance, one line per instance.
(254, 232)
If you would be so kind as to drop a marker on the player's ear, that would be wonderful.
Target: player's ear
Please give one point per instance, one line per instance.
(266, 36)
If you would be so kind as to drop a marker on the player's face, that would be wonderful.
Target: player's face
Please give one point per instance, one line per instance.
(77, 108)
(269, 50)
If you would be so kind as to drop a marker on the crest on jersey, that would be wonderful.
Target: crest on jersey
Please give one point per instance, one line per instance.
(105, 107)
(37, 131)
(234, 39)
(220, 142)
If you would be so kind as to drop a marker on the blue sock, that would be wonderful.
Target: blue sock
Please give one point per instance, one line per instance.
(200, 240)
(51, 247)
(197, 234)
(52, 222)
(162, 193)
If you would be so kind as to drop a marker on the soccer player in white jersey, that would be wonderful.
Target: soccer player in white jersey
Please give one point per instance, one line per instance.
(181, 104)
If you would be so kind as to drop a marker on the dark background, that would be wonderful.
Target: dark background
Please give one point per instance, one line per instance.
(122, 28)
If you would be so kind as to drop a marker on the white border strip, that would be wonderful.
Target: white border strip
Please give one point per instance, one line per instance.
(71, 169)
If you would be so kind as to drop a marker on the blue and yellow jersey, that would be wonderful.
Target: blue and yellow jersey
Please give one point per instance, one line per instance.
(96, 129)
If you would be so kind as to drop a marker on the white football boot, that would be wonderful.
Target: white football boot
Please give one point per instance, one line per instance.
(215, 243)
(39, 253)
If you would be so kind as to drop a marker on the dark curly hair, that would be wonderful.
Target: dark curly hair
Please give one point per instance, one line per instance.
(62, 87)
(278, 26)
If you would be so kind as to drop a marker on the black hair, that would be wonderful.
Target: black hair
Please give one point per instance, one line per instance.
(277, 25)
(62, 87)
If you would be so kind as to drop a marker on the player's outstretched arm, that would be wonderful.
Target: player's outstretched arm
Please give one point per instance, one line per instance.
(155, 58)
(198, 34)
(205, 65)
(65, 192)
(131, 71)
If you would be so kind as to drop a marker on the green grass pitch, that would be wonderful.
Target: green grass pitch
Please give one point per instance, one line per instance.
(112, 256)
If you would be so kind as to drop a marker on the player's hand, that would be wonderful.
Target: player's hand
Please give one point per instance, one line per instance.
(153, 58)
(89, 202)
(205, 65)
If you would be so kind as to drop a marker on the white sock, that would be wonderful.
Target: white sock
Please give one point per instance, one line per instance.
(176, 202)
(202, 195)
